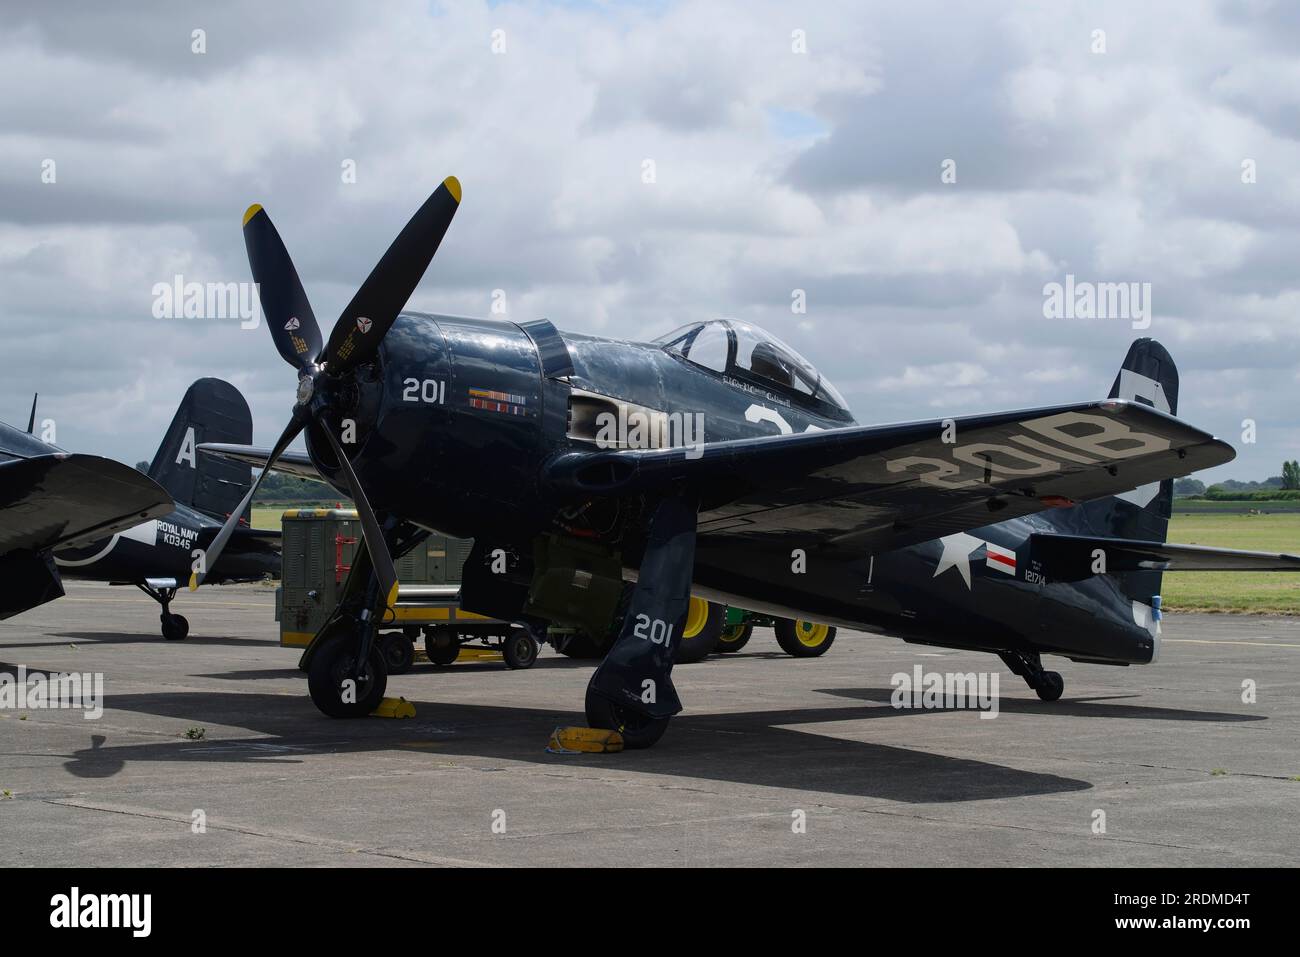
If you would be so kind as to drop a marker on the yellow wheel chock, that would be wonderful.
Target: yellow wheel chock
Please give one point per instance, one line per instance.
(394, 708)
(584, 740)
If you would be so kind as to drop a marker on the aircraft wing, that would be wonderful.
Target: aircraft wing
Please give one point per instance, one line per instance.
(290, 463)
(60, 499)
(1072, 557)
(867, 489)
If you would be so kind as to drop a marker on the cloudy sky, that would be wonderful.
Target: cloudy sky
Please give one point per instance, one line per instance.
(794, 146)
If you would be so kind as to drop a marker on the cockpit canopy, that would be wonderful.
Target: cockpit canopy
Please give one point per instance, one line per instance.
(751, 354)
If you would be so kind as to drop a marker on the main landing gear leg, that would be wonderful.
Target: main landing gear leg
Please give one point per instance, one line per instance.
(347, 672)
(1029, 665)
(632, 691)
(174, 627)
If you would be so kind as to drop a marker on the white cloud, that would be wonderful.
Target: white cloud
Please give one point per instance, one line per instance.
(924, 298)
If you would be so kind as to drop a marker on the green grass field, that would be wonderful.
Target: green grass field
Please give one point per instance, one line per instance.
(1197, 507)
(1272, 592)
(268, 516)
(1277, 592)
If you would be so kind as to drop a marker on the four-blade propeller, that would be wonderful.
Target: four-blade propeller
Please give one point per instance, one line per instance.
(353, 341)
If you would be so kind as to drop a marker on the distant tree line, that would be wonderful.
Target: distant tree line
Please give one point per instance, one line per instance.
(1284, 487)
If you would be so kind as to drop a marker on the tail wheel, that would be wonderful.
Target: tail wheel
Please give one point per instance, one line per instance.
(442, 644)
(701, 630)
(803, 639)
(519, 649)
(175, 627)
(333, 689)
(734, 637)
(1050, 686)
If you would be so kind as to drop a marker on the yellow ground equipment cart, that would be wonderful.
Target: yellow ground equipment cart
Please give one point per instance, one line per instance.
(318, 546)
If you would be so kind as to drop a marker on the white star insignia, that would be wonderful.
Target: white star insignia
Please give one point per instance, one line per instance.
(956, 553)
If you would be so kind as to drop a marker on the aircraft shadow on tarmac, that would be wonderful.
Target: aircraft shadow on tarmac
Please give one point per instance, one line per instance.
(418, 670)
(1070, 707)
(753, 748)
(129, 638)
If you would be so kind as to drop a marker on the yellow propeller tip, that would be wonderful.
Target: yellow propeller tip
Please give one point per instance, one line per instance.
(251, 212)
(194, 581)
(453, 187)
(392, 595)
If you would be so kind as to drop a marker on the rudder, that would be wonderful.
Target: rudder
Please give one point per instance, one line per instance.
(211, 411)
(1147, 375)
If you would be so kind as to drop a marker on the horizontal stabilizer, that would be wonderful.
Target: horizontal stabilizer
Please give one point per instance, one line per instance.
(1075, 557)
(290, 463)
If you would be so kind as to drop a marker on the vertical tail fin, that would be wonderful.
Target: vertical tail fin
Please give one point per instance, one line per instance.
(1148, 375)
(212, 411)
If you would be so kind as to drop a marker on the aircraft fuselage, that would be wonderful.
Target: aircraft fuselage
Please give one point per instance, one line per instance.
(455, 426)
(164, 548)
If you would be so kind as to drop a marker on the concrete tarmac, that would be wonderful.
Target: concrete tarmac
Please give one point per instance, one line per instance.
(775, 761)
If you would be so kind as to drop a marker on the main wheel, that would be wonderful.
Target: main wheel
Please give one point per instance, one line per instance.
(638, 730)
(399, 652)
(700, 633)
(803, 639)
(442, 644)
(1050, 686)
(734, 637)
(519, 649)
(175, 627)
(331, 666)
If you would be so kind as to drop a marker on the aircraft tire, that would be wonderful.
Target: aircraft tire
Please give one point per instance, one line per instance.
(733, 638)
(638, 730)
(701, 631)
(803, 639)
(330, 664)
(519, 649)
(175, 627)
(1050, 686)
(399, 653)
(441, 644)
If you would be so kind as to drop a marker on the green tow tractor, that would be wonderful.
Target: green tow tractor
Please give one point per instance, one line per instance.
(712, 628)
(797, 638)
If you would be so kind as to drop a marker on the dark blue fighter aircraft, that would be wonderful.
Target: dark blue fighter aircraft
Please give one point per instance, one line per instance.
(158, 555)
(714, 462)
